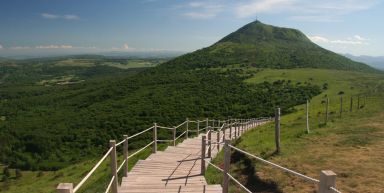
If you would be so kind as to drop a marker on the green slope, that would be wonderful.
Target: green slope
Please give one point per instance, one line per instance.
(349, 145)
(260, 45)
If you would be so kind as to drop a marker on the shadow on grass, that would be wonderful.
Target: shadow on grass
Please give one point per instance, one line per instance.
(247, 170)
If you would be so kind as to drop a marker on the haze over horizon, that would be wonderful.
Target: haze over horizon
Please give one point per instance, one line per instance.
(44, 28)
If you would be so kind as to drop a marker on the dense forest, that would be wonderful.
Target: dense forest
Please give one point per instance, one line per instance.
(49, 127)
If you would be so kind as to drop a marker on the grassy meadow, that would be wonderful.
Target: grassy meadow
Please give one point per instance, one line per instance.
(350, 145)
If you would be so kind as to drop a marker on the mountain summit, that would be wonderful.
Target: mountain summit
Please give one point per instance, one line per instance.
(260, 45)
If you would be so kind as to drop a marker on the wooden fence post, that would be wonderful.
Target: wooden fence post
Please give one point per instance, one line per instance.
(186, 133)
(198, 127)
(154, 135)
(307, 115)
(210, 143)
(125, 153)
(218, 141)
(64, 188)
(227, 162)
(326, 110)
(236, 129)
(351, 106)
(327, 180)
(341, 105)
(358, 102)
(206, 125)
(203, 154)
(112, 143)
(174, 136)
(224, 130)
(230, 131)
(277, 130)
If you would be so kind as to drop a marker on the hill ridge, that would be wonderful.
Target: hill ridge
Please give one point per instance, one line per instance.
(260, 45)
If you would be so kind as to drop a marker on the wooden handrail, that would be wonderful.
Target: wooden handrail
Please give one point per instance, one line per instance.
(68, 187)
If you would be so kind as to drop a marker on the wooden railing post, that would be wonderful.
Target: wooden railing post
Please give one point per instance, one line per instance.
(174, 136)
(307, 115)
(326, 110)
(218, 141)
(206, 126)
(186, 133)
(125, 153)
(154, 136)
(230, 131)
(227, 162)
(277, 129)
(210, 143)
(235, 129)
(203, 154)
(224, 130)
(64, 188)
(198, 127)
(358, 102)
(112, 143)
(327, 180)
(341, 105)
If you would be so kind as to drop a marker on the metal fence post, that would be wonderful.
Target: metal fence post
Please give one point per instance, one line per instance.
(227, 162)
(203, 154)
(327, 180)
(277, 129)
(125, 152)
(112, 143)
(154, 135)
(64, 188)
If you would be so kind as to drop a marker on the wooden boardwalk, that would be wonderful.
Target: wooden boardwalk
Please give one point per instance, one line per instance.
(177, 169)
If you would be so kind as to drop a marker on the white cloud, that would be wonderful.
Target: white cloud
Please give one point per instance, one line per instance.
(355, 40)
(49, 16)
(264, 6)
(304, 10)
(1, 46)
(48, 47)
(126, 47)
(55, 16)
(360, 38)
(71, 17)
(201, 9)
(20, 47)
(54, 47)
(199, 15)
(318, 39)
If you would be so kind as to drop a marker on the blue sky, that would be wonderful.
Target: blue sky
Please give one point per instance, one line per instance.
(43, 27)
